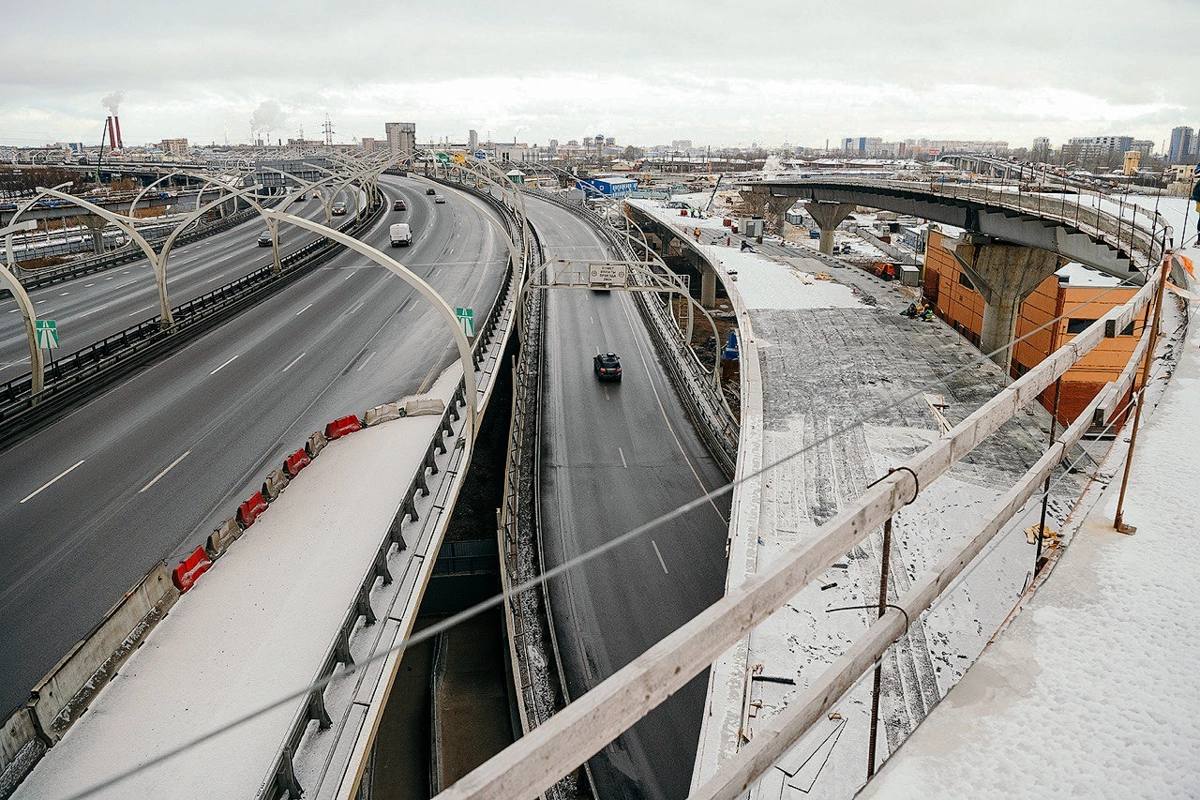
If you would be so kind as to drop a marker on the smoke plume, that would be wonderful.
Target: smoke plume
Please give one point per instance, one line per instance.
(112, 101)
(267, 117)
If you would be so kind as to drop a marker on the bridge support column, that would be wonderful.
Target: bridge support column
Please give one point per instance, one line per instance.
(828, 216)
(776, 210)
(1004, 274)
(96, 226)
(708, 286)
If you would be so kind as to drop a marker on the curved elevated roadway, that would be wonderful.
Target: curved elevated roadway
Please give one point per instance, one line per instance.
(613, 456)
(90, 307)
(145, 471)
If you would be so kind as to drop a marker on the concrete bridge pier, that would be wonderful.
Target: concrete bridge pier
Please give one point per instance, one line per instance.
(95, 225)
(1004, 274)
(776, 210)
(708, 286)
(828, 216)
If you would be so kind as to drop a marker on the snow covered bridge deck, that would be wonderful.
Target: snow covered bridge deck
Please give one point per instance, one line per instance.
(1091, 691)
(824, 345)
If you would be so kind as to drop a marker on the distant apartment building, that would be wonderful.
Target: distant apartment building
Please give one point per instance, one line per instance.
(1041, 149)
(174, 147)
(1075, 293)
(681, 144)
(369, 143)
(1097, 151)
(1182, 147)
(472, 140)
(401, 136)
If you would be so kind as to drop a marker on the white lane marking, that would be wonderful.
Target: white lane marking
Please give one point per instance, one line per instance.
(607, 396)
(294, 360)
(592, 319)
(623, 462)
(663, 411)
(213, 278)
(63, 294)
(140, 311)
(661, 563)
(223, 366)
(125, 272)
(597, 349)
(86, 285)
(348, 277)
(306, 308)
(356, 307)
(50, 482)
(365, 360)
(13, 311)
(39, 302)
(169, 467)
(109, 278)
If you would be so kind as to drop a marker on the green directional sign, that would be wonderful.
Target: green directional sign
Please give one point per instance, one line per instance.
(47, 332)
(466, 318)
(442, 157)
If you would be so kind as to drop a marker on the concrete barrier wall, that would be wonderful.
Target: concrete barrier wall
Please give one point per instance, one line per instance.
(68, 687)
(20, 749)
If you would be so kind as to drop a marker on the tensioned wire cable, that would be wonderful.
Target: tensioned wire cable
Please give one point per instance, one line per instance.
(634, 533)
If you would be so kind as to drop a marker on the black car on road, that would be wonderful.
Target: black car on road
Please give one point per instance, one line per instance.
(430, 191)
(607, 366)
(399, 205)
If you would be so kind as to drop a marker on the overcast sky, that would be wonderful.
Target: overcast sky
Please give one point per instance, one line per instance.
(645, 72)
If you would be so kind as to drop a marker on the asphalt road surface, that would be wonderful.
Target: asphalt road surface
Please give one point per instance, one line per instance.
(93, 306)
(615, 455)
(146, 470)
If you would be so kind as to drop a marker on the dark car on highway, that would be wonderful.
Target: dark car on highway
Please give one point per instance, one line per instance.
(399, 205)
(264, 240)
(607, 366)
(430, 192)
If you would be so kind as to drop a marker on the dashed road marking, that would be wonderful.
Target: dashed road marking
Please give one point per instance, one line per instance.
(223, 366)
(293, 362)
(306, 308)
(168, 468)
(624, 463)
(661, 563)
(365, 360)
(51, 482)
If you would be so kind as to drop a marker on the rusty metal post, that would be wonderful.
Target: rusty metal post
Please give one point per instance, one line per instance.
(883, 580)
(1037, 559)
(1119, 520)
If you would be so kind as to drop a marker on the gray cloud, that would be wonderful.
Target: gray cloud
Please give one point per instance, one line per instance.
(642, 71)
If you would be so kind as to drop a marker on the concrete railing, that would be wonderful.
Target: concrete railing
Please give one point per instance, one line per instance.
(1137, 232)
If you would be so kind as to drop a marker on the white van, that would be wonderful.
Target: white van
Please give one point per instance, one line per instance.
(400, 234)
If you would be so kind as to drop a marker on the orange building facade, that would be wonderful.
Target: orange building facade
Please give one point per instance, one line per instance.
(957, 302)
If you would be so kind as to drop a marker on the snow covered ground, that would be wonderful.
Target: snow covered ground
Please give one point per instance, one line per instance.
(1092, 690)
(255, 627)
(832, 352)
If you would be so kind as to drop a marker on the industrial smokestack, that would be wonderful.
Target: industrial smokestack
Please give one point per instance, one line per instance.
(117, 125)
(112, 133)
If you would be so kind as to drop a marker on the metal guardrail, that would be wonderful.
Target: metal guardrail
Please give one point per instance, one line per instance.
(281, 780)
(691, 379)
(81, 374)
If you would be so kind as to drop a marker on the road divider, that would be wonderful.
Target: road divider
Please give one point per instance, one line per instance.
(188, 571)
(222, 537)
(251, 509)
(342, 426)
(296, 462)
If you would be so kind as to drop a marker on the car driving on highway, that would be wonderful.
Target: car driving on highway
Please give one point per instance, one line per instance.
(264, 239)
(437, 198)
(430, 191)
(399, 205)
(607, 366)
(339, 209)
